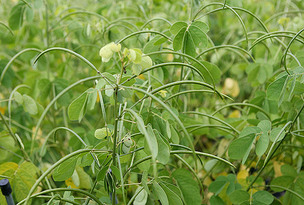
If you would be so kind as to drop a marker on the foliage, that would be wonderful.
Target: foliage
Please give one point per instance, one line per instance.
(167, 102)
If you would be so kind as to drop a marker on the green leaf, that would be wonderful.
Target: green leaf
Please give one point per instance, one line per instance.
(29, 14)
(283, 181)
(176, 27)
(144, 180)
(60, 84)
(188, 38)
(75, 178)
(109, 90)
(263, 141)
(7, 143)
(189, 188)
(18, 97)
(109, 76)
(163, 155)
(265, 126)
(15, 20)
(239, 196)
(262, 144)
(141, 197)
(259, 72)
(116, 172)
(179, 39)
(86, 160)
(174, 135)
(201, 25)
(8, 168)
(136, 69)
(213, 70)
(217, 186)
(249, 131)
(168, 129)
(263, 197)
(288, 170)
(275, 89)
(144, 166)
(100, 84)
(241, 147)
(30, 105)
(76, 109)
(151, 140)
(274, 133)
(103, 133)
(152, 45)
(216, 200)
(129, 82)
(138, 55)
(67, 195)
(148, 133)
(198, 36)
(92, 97)
(173, 198)
(102, 173)
(24, 178)
(299, 188)
(189, 45)
(160, 39)
(45, 87)
(146, 62)
(160, 193)
(65, 170)
(262, 75)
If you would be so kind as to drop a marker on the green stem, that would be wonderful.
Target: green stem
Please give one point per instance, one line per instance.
(214, 118)
(182, 152)
(227, 47)
(122, 180)
(115, 140)
(13, 58)
(140, 32)
(283, 13)
(7, 27)
(76, 13)
(223, 8)
(188, 57)
(195, 91)
(288, 46)
(63, 190)
(242, 104)
(153, 19)
(284, 188)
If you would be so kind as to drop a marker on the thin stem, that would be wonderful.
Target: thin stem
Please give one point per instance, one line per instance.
(63, 190)
(141, 32)
(115, 140)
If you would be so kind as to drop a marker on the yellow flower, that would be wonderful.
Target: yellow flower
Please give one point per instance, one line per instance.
(163, 93)
(108, 50)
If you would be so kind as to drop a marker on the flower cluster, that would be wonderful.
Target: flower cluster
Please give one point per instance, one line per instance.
(108, 50)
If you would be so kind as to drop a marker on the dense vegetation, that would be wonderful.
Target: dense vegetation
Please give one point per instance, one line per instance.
(152, 101)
